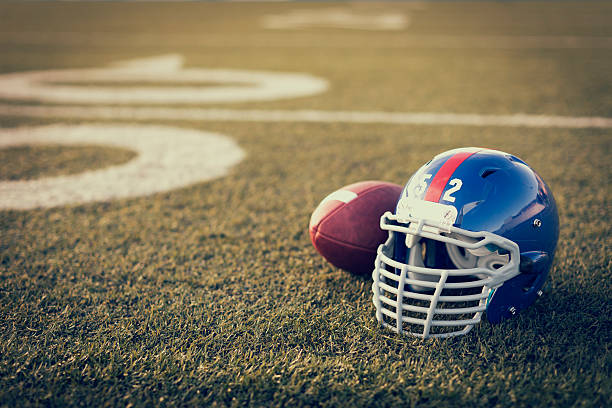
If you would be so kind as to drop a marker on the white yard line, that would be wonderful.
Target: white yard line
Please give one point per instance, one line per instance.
(308, 40)
(168, 158)
(344, 18)
(239, 115)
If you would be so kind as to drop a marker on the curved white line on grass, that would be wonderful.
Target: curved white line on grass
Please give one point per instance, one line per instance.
(234, 115)
(168, 158)
(336, 18)
(240, 85)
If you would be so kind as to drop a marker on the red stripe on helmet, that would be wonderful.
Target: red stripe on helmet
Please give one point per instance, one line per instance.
(444, 174)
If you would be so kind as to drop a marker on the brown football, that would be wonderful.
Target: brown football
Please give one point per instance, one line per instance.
(345, 227)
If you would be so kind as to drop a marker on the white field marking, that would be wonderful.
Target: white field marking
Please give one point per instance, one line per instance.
(253, 85)
(235, 115)
(335, 18)
(308, 40)
(168, 158)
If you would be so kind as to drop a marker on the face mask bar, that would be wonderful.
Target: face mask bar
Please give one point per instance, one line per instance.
(394, 281)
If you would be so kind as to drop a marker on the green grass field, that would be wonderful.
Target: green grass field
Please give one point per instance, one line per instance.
(213, 295)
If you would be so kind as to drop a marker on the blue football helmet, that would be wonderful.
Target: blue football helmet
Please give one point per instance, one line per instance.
(474, 230)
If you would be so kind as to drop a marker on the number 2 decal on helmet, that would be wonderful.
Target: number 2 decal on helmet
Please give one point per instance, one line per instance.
(456, 186)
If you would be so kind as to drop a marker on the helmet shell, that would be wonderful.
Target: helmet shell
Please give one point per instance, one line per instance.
(497, 192)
